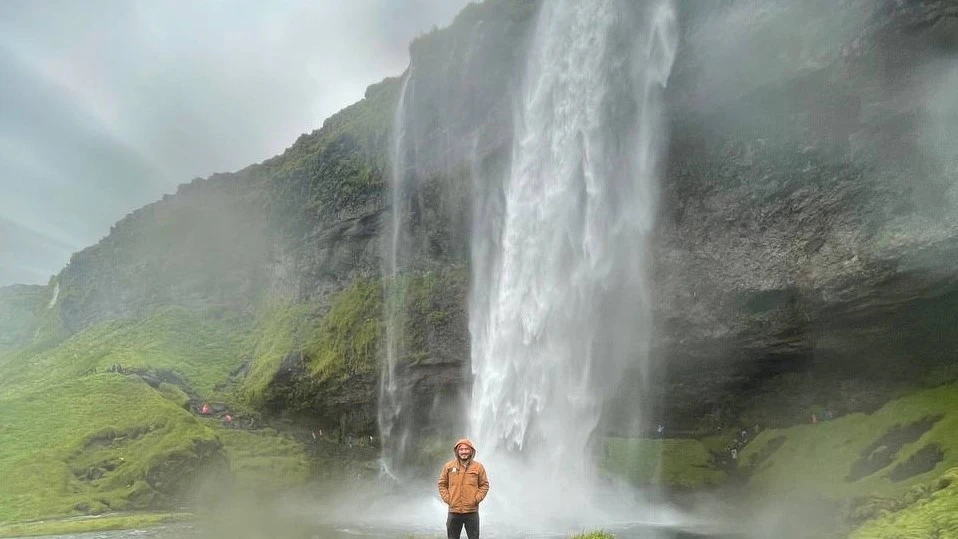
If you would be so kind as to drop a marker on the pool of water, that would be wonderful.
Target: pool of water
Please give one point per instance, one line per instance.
(197, 531)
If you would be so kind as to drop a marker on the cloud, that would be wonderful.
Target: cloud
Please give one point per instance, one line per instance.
(110, 103)
(27, 253)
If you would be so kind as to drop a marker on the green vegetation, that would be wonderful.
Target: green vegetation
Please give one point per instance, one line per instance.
(820, 458)
(929, 510)
(104, 442)
(594, 535)
(348, 338)
(875, 465)
(264, 460)
(339, 168)
(99, 422)
(278, 332)
(174, 339)
(89, 523)
(669, 462)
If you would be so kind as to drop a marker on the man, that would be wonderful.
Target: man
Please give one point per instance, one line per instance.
(462, 485)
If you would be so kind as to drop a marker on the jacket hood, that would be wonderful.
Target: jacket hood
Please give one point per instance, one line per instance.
(466, 441)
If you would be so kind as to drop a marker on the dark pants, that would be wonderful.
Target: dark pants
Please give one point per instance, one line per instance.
(455, 522)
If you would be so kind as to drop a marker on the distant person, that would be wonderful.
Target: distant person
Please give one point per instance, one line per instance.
(228, 420)
(813, 420)
(205, 409)
(462, 486)
(734, 454)
(660, 430)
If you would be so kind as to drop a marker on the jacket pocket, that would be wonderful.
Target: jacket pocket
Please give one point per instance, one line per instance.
(472, 479)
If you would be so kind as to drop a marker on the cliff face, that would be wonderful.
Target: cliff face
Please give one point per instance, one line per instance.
(806, 216)
(808, 222)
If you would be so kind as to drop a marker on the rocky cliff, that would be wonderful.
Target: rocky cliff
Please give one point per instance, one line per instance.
(806, 224)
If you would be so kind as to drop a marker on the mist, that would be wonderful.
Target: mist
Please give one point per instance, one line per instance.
(107, 106)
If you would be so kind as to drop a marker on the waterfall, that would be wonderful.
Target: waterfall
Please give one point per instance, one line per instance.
(392, 434)
(560, 300)
(56, 295)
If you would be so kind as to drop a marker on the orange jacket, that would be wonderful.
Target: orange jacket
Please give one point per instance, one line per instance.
(463, 484)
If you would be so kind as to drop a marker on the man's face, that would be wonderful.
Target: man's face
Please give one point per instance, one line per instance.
(463, 451)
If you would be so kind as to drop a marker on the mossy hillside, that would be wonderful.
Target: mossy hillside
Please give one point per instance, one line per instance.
(103, 442)
(367, 122)
(200, 350)
(109, 441)
(675, 463)
(347, 339)
(817, 460)
(929, 510)
(85, 524)
(336, 171)
(324, 371)
(349, 336)
(264, 460)
(279, 331)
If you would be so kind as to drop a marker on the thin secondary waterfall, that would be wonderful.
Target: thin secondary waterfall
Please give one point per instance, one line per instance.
(393, 437)
(56, 295)
(560, 301)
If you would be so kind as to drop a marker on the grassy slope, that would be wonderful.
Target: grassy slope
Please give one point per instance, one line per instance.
(203, 351)
(263, 459)
(673, 463)
(814, 461)
(79, 439)
(53, 436)
(279, 331)
(81, 524)
(927, 511)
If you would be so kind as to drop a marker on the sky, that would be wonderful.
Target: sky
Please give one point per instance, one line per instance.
(105, 105)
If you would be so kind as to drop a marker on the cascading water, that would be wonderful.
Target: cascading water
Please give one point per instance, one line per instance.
(393, 437)
(560, 301)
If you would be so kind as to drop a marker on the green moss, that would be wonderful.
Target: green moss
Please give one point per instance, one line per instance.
(79, 437)
(594, 535)
(349, 336)
(202, 351)
(278, 332)
(105, 442)
(264, 459)
(929, 510)
(669, 462)
(89, 524)
(816, 460)
(174, 394)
